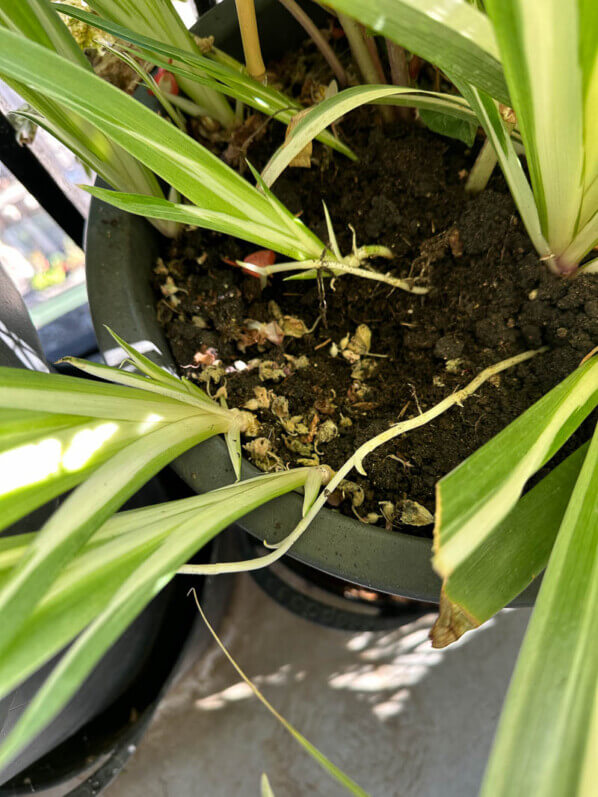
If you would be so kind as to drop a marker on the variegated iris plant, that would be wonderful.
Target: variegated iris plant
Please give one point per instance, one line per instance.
(537, 57)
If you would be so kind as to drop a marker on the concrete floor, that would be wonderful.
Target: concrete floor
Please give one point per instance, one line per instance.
(397, 716)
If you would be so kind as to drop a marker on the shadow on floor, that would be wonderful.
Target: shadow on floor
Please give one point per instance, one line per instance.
(397, 716)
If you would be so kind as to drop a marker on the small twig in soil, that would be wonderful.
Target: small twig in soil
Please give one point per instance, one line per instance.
(589, 355)
(404, 462)
(417, 404)
(356, 461)
(315, 34)
(399, 74)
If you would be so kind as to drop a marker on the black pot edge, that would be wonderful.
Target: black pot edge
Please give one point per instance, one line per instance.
(118, 249)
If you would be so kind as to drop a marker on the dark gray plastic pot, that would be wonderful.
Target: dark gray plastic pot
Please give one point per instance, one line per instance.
(136, 669)
(120, 252)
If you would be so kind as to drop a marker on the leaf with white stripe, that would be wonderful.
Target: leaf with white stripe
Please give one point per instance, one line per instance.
(477, 495)
(84, 510)
(449, 33)
(489, 117)
(510, 558)
(195, 67)
(546, 740)
(329, 110)
(184, 163)
(299, 246)
(539, 42)
(134, 594)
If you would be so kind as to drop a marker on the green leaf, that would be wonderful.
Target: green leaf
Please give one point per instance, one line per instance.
(265, 788)
(160, 18)
(38, 21)
(588, 58)
(29, 390)
(195, 67)
(451, 34)
(545, 743)
(81, 591)
(476, 496)
(88, 507)
(19, 426)
(190, 168)
(539, 42)
(89, 581)
(446, 125)
(135, 593)
(246, 229)
(331, 109)
(122, 377)
(510, 558)
(55, 460)
(585, 240)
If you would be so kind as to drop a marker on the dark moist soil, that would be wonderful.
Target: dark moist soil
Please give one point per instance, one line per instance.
(490, 298)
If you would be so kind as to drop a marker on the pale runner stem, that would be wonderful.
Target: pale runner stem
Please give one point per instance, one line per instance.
(335, 268)
(313, 31)
(482, 169)
(355, 461)
(370, 43)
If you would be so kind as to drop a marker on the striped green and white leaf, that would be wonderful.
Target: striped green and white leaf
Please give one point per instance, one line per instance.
(185, 164)
(160, 20)
(449, 33)
(37, 21)
(43, 454)
(192, 531)
(329, 110)
(511, 557)
(117, 436)
(223, 75)
(547, 735)
(89, 581)
(549, 50)
(246, 229)
(475, 497)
